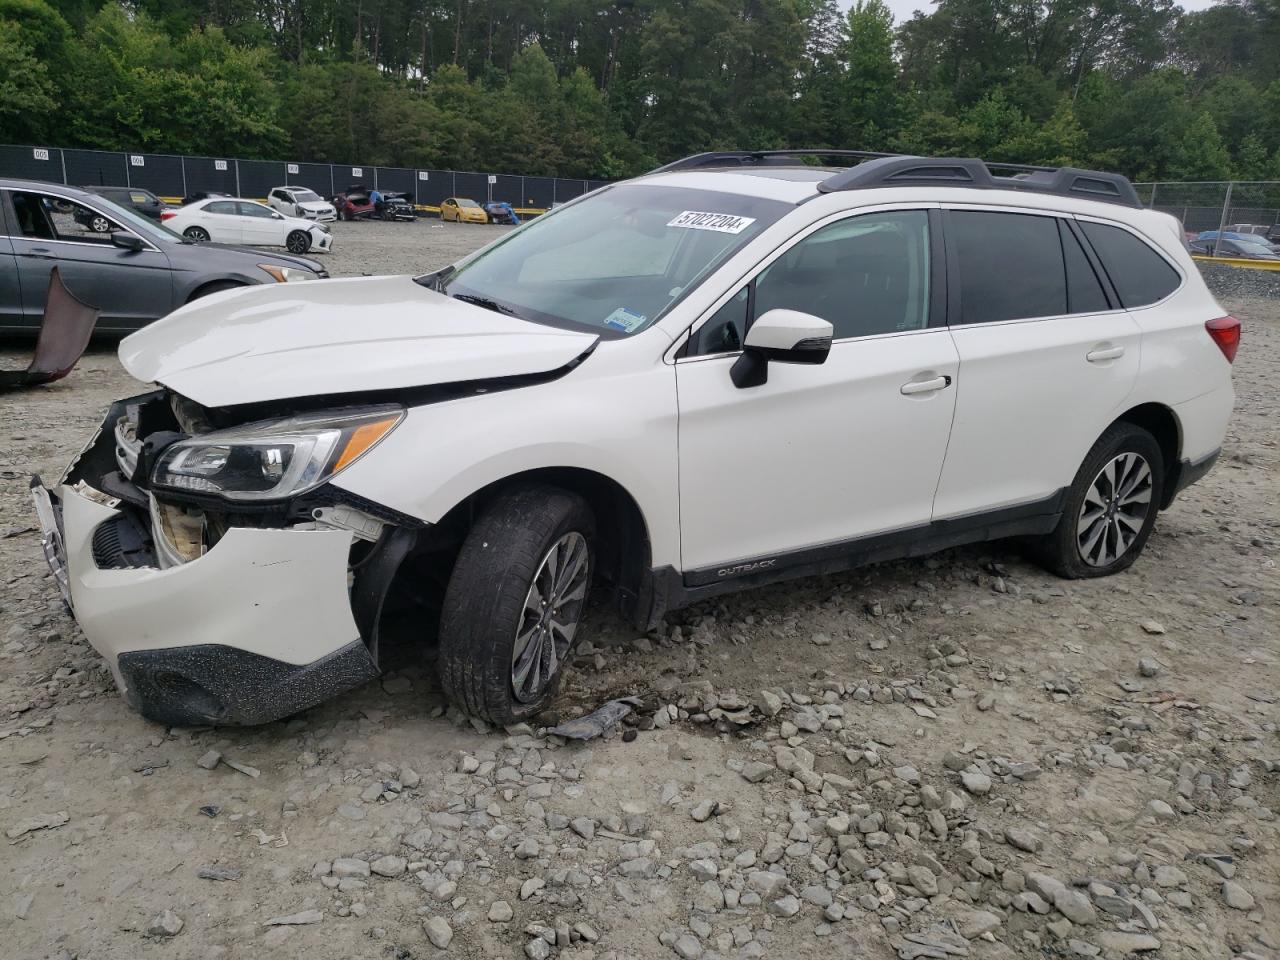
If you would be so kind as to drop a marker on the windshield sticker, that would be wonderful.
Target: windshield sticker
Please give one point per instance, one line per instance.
(719, 222)
(623, 319)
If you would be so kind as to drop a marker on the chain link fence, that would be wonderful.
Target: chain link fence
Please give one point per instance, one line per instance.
(174, 177)
(1234, 206)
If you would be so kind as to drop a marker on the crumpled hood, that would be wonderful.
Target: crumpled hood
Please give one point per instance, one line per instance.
(285, 340)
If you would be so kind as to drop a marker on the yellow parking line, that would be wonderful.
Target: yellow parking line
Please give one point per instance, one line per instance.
(1239, 262)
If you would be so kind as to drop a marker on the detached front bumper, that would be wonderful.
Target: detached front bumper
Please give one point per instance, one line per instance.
(257, 628)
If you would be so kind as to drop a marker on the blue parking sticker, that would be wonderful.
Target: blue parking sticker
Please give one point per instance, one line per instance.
(624, 319)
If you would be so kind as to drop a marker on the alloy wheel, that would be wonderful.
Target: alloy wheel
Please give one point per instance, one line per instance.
(1115, 509)
(100, 224)
(552, 610)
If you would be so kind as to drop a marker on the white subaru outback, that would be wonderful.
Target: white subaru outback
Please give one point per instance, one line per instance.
(737, 369)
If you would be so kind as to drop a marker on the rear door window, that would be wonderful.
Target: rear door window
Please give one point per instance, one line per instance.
(225, 207)
(1140, 275)
(1011, 265)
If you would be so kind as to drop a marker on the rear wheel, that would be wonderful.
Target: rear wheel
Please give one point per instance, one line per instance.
(298, 241)
(198, 234)
(1111, 507)
(514, 603)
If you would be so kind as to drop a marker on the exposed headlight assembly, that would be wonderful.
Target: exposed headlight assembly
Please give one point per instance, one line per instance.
(274, 459)
(282, 274)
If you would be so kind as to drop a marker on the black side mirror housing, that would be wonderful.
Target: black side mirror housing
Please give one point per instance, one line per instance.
(127, 241)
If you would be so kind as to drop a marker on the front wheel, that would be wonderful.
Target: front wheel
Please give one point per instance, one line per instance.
(514, 602)
(1111, 507)
(298, 241)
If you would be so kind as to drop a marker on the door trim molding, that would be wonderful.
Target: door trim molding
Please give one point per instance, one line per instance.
(1036, 517)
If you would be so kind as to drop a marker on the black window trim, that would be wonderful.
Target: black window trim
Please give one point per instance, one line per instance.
(12, 230)
(939, 284)
(1078, 218)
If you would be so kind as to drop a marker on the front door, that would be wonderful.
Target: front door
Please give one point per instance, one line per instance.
(259, 224)
(223, 222)
(819, 455)
(129, 287)
(1046, 361)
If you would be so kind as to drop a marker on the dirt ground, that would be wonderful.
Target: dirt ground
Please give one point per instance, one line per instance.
(955, 756)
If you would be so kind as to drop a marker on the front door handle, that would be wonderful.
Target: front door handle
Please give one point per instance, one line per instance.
(1098, 354)
(44, 253)
(925, 386)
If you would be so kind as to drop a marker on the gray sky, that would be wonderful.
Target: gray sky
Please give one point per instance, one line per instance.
(903, 9)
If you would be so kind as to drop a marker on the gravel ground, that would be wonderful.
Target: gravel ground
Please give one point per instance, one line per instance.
(959, 756)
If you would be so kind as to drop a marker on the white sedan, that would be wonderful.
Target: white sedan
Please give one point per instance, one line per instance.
(232, 220)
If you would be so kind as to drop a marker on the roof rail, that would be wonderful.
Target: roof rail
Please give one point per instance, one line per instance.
(761, 158)
(900, 171)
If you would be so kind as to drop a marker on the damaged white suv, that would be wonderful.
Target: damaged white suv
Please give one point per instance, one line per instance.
(736, 369)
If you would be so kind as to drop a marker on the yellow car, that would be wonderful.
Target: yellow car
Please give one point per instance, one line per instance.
(462, 210)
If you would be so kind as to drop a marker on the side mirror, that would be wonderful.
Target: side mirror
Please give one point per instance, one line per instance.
(787, 336)
(126, 241)
(276, 215)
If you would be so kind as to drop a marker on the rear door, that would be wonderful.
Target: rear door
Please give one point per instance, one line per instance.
(1047, 358)
(129, 287)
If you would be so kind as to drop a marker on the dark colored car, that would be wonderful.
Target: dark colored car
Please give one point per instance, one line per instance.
(202, 195)
(134, 272)
(131, 198)
(1229, 247)
(396, 206)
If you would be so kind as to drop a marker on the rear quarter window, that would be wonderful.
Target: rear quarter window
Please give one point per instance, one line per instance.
(1140, 275)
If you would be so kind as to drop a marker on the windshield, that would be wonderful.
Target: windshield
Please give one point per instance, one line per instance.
(139, 224)
(616, 261)
(305, 196)
(463, 202)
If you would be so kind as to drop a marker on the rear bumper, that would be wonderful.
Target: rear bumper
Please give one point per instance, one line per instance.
(258, 628)
(1189, 471)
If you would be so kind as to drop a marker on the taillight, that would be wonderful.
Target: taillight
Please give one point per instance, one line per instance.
(166, 214)
(1226, 334)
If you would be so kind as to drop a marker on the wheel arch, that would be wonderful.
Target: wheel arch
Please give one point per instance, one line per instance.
(1162, 423)
(623, 548)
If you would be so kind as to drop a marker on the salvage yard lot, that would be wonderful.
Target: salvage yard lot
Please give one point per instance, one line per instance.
(955, 756)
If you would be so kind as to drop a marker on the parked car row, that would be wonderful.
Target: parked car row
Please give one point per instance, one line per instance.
(1232, 243)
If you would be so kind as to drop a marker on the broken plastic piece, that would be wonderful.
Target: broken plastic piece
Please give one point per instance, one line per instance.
(598, 723)
(64, 333)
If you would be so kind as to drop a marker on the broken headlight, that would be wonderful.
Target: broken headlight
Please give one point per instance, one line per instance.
(274, 459)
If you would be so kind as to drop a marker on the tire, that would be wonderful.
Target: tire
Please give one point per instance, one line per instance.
(298, 241)
(198, 234)
(493, 595)
(1121, 525)
(99, 224)
(216, 287)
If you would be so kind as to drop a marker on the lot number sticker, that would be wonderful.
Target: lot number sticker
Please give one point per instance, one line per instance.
(719, 222)
(292, 168)
(219, 164)
(39, 153)
(136, 160)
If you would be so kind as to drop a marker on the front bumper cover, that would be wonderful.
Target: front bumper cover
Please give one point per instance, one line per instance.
(258, 628)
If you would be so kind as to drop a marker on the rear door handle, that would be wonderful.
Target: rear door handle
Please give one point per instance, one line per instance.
(925, 386)
(1099, 354)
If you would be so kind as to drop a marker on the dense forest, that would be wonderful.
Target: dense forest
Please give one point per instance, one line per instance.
(607, 88)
